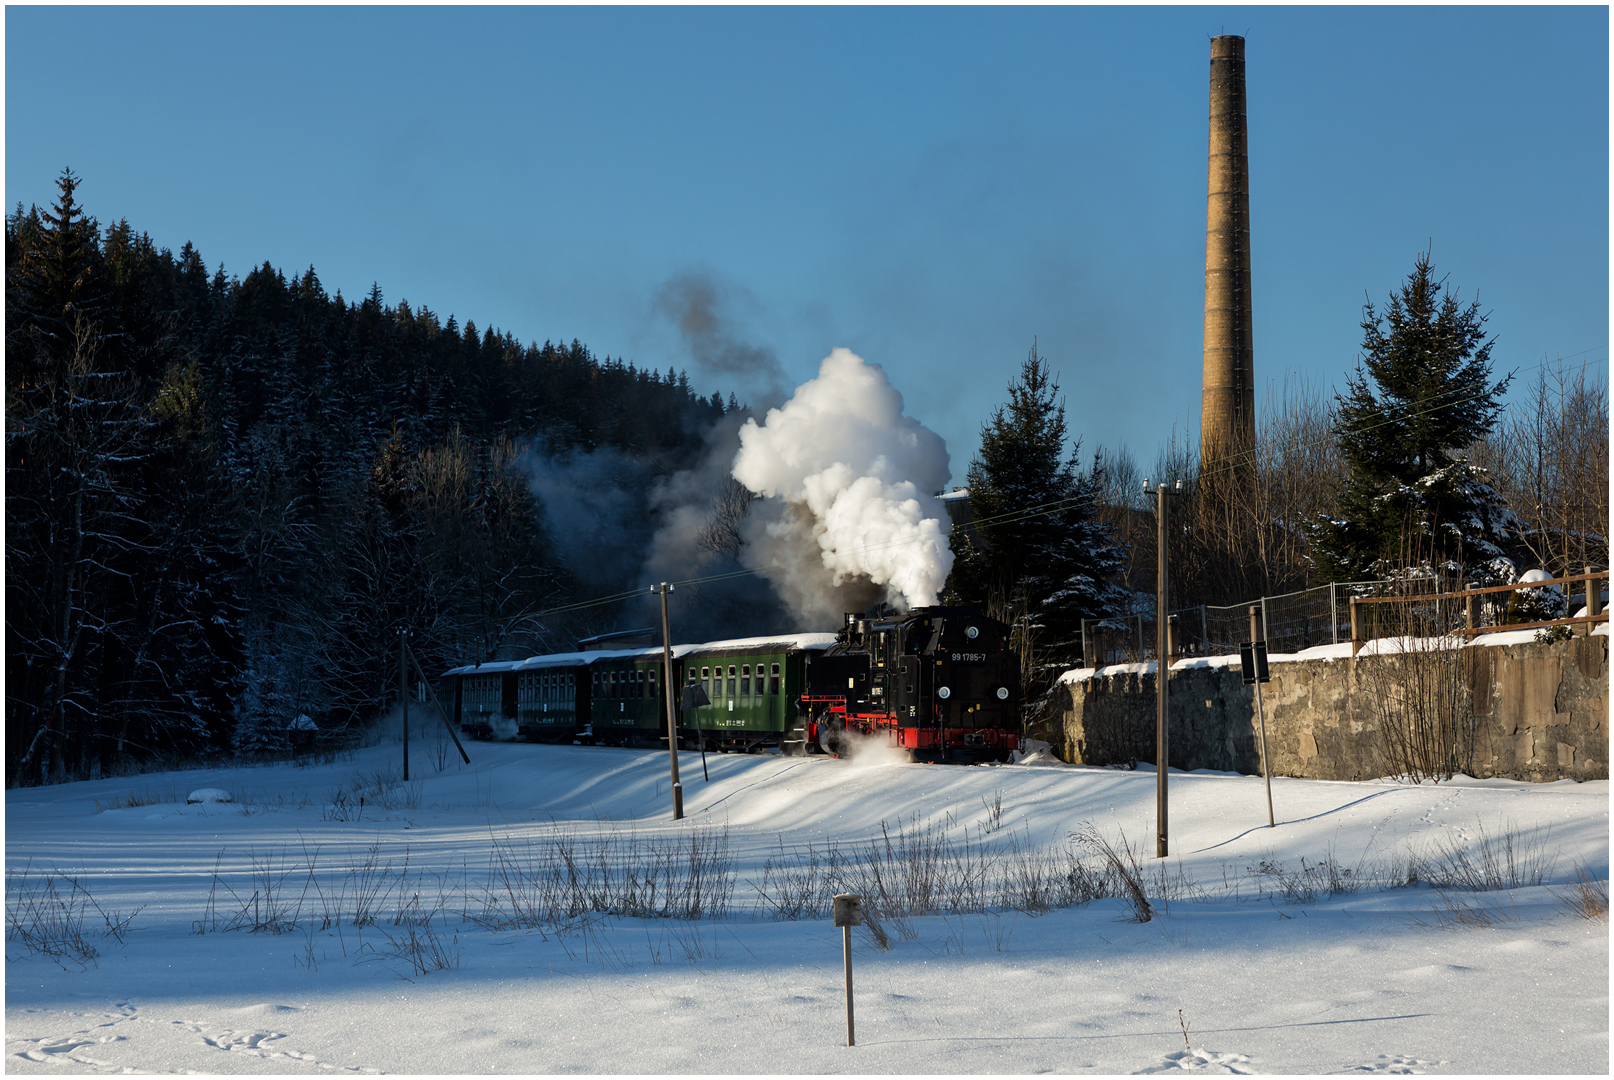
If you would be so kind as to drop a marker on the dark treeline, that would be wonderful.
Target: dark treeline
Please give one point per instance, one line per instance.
(225, 495)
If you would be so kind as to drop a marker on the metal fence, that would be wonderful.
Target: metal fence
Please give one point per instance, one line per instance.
(1289, 622)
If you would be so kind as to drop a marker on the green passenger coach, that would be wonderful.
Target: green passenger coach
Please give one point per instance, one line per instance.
(753, 686)
(552, 698)
(629, 700)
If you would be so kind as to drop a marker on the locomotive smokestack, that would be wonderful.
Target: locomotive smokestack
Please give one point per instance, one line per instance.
(1227, 419)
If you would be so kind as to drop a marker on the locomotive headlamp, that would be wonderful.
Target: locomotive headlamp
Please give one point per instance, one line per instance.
(1003, 693)
(972, 633)
(944, 693)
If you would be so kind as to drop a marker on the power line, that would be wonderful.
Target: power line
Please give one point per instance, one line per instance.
(1225, 466)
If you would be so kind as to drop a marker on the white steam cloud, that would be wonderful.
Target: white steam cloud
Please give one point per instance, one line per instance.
(854, 480)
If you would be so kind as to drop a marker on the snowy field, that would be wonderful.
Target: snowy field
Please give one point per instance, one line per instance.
(432, 930)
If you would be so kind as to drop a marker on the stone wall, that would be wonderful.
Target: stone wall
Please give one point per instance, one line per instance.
(1540, 710)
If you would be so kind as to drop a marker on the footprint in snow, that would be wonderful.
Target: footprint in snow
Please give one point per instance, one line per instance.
(255, 1043)
(1396, 1065)
(1202, 1060)
(244, 1040)
(65, 1049)
(60, 1049)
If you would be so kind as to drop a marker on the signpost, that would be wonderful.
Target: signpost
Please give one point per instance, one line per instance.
(848, 913)
(1253, 660)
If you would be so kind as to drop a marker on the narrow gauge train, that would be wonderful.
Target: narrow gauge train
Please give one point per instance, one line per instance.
(937, 681)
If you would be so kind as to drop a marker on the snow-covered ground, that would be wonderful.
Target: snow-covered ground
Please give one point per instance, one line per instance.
(1365, 978)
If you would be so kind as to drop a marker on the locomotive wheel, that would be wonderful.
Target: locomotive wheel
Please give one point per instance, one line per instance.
(830, 738)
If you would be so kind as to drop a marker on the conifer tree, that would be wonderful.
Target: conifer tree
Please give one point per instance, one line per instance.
(1043, 560)
(1421, 396)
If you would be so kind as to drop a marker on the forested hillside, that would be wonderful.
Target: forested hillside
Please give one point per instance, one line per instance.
(224, 496)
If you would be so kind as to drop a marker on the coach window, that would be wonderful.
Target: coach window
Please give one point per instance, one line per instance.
(773, 682)
(729, 692)
(745, 680)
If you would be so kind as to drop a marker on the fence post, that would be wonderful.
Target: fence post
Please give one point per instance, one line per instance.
(1266, 624)
(1594, 600)
(1356, 628)
(1204, 631)
(1470, 610)
(1333, 613)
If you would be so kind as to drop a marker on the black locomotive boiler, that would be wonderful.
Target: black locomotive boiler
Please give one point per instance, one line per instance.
(940, 682)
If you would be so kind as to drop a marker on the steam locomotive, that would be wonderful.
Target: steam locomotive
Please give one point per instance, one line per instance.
(939, 682)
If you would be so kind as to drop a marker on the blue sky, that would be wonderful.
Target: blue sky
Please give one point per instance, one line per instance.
(930, 187)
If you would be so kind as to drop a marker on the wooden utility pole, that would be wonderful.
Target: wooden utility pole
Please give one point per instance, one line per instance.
(1162, 667)
(672, 712)
(403, 690)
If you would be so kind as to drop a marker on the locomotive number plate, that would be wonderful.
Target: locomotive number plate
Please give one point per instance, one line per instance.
(969, 657)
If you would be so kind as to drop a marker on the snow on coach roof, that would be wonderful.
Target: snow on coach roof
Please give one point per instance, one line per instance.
(815, 642)
(769, 643)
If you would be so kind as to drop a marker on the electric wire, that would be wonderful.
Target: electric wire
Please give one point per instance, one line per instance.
(1226, 466)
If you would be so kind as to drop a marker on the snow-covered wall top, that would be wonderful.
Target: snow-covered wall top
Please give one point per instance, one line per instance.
(1341, 651)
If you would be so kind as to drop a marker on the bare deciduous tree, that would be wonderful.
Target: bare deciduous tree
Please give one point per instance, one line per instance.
(1549, 459)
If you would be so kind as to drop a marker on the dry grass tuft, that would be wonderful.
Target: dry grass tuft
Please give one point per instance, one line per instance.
(1587, 896)
(135, 799)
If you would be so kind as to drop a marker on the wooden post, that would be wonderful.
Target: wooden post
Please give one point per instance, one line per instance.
(846, 954)
(1471, 610)
(1356, 628)
(1594, 600)
(672, 712)
(1162, 668)
(403, 692)
(1266, 762)
(848, 912)
(1256, 613)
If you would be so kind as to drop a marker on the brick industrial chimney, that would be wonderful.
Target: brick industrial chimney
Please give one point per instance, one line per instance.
(1227, 418)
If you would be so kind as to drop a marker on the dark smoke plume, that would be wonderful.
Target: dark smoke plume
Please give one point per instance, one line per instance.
(696, 304)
